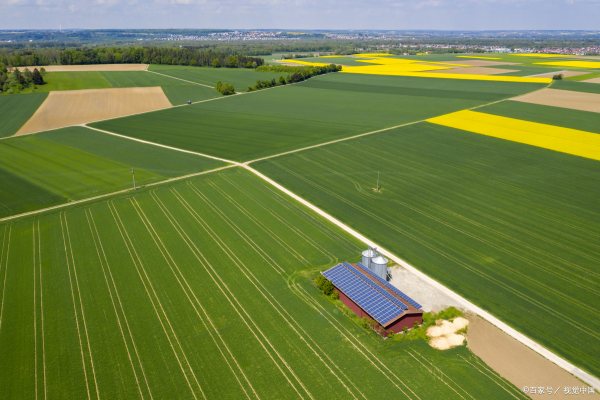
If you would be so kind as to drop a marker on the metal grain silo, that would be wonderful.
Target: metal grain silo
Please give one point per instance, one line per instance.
(379, 266)
(367, 256)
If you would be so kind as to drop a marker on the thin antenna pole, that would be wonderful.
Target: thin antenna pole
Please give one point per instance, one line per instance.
(378, 187)
(133, 177)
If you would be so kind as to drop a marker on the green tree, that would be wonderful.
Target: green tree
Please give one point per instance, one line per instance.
(38, 79)
(225, 88)
(27, 77)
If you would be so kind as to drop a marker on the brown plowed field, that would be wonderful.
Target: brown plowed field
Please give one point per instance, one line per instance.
(73, 107)
(563, 98)
(480, 63)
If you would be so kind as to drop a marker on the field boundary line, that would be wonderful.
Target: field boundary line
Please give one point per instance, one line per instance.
(83, 362)
(304, 336)
(374, 132)
(533, 345)
(140, 265)
(229, 296)
(94, 233)
(111, 194)
(181, 277)
(159, 144)
(180, 79)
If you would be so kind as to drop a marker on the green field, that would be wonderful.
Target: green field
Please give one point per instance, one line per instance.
(577, 86)
(240, 78)
(177, 91)
(197, 290)
(16, 109)
(73, 163)
(514, 228)
(575, 119)
(320, 109)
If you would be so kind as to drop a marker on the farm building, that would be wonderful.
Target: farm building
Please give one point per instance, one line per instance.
(369, 295)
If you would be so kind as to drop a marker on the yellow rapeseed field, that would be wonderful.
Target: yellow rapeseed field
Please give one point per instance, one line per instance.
(300, 62)
(417, 68)
(564, 140)
(395, 71)
(573, 64)
(541, 55)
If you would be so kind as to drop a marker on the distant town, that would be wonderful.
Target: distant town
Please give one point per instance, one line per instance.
(559, 42)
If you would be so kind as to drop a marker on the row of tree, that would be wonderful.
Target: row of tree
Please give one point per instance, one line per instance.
(295, 74)
(16, 80)
(128, 55)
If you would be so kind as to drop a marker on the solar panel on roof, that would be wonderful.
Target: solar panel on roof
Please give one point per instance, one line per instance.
(368, 281)
(379, 304)
(392, 287)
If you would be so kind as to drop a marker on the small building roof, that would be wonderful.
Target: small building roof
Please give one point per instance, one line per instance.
(380, 260)
(382, 301)
(369, 253)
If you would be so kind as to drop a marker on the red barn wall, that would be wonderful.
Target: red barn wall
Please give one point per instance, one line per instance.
(407, 321)
(352, 305)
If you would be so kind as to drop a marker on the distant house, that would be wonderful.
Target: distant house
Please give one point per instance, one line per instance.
(368, 295)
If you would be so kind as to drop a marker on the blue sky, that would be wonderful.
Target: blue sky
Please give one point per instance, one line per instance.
(304, 14)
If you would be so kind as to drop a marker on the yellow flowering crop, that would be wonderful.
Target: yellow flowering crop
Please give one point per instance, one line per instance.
(540, 55)
(300, 62)
(564, 140)
(406, 71)
(573, 64)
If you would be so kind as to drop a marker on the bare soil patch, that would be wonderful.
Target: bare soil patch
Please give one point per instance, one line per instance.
(565, 74)
(444, 334)
(563, 98)
(72, 107)
(593, 80)
(91, 67)
(475, 71)
(517, 363)
(480, 63)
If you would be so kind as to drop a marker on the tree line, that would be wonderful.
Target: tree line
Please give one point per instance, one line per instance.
(128, 55)
(295, 74)
(16, 80)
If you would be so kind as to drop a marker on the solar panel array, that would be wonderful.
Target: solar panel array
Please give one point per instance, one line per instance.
(370, 282)
(393, 288)
(379, 304)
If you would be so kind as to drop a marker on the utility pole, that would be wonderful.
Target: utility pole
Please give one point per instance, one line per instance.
(133, 177)
(378, 187)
